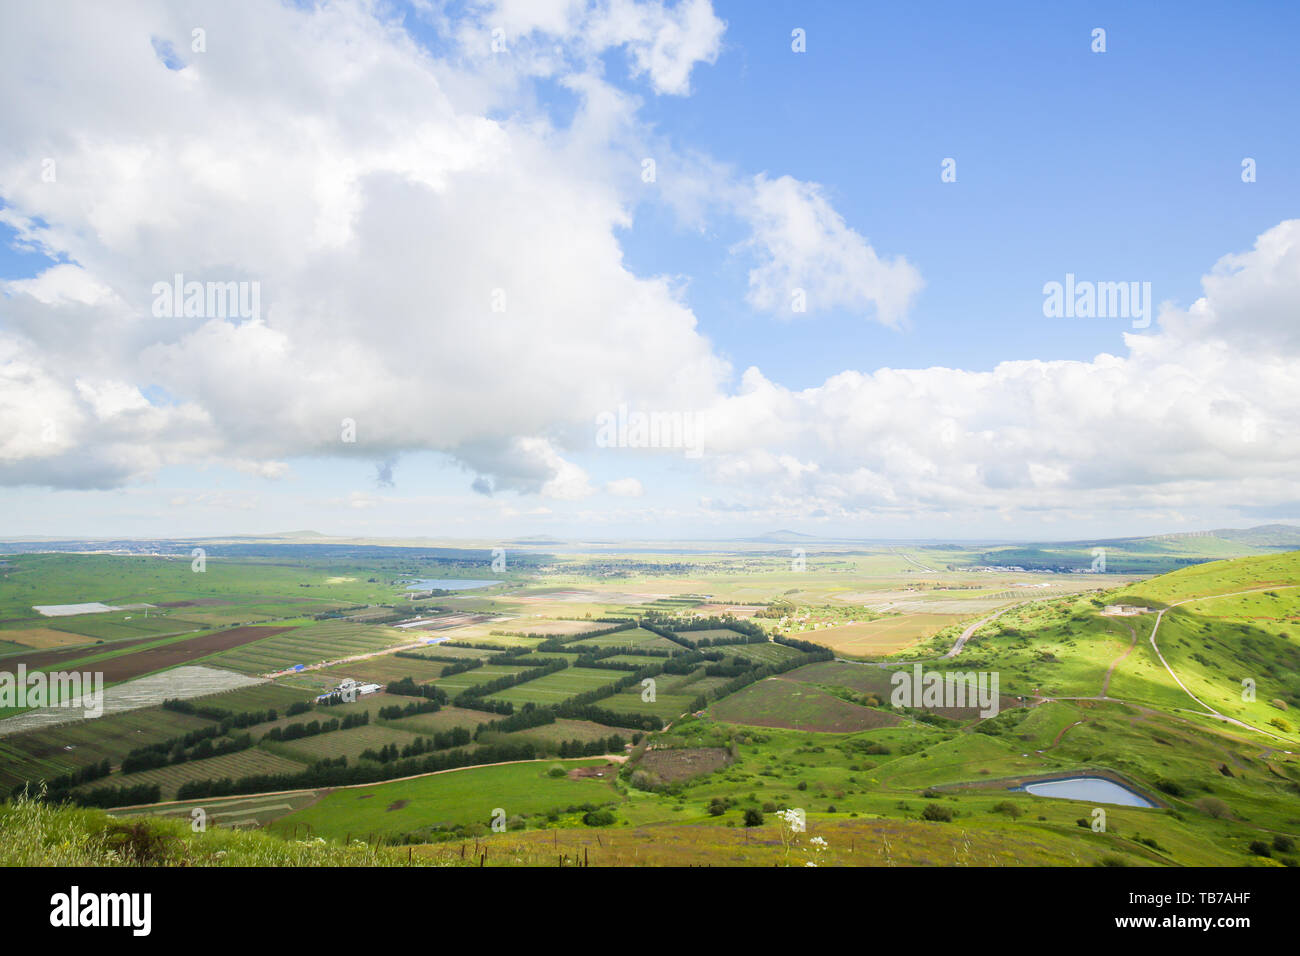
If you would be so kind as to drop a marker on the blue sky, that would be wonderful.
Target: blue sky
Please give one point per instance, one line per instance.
(1115, 166)
(1122, 164)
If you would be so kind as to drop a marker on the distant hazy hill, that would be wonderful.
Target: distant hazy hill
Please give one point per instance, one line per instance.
(1265, 536)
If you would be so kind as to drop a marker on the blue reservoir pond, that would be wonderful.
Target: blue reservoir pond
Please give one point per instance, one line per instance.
(1087, 789)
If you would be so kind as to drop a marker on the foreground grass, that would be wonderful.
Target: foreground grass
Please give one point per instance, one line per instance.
(33, 833)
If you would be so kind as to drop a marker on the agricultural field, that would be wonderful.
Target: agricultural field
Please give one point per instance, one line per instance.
(341, 743)
(558, 687)
(716, 634)
(441, 721)
(880, 638)
(380, 670)
(58, 750)
(633, 637)
(312, 644)
(761, 653)
(781, 702)
(239, 764)
(550, 735)
(456, 683)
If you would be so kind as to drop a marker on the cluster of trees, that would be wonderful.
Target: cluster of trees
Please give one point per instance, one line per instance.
(397, 711)
(312, 728)
(602, 715)
(473, 645)
(455, 665)
(747, 632)
(197, 744)
(118, 796)
(228, 720)
(407, 687)
(529, 716)
(456, 737)
(732, 668)
(594, 748)
(339, 612)
(147, 758)
(57, 789)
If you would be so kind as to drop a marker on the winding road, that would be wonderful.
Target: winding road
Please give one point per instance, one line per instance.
(1210, 711)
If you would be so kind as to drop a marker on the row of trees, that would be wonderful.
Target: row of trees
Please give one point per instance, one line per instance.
(337, 773)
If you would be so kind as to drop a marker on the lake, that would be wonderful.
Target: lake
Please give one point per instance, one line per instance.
(448, 584)
(1088, 789)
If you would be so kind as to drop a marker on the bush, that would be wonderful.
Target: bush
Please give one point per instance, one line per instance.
(598, 818)
(937, 812)
(1007, 808)
(1260, 848)
(1214, 807)
(1283, 843)
(1171, 787)
(753, 817)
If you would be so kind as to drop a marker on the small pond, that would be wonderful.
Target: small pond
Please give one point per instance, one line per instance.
(1088, 789)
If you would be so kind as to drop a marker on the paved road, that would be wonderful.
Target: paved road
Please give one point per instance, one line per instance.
(1210, 711)
(967, 634)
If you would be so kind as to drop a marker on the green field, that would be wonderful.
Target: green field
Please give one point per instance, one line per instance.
(558, 687)
(633, 637)
(459, 797)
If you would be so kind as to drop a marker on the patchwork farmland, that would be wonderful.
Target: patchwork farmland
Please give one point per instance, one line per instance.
(723, 730)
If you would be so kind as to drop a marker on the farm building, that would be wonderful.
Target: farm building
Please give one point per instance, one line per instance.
(348, 686)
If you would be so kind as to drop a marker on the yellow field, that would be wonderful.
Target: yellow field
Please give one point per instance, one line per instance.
(886, 636)
(44, 637)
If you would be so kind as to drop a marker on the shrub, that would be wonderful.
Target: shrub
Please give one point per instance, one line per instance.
(753, 817)
(1171, 787)
(937, 812)
(1214, 807)
(598, 818)
(1260, 848)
